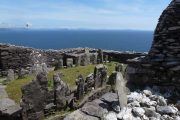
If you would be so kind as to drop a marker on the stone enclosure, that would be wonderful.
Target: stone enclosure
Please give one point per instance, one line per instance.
(99, 96)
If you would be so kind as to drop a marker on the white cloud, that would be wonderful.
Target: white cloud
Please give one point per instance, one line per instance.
(113, 14)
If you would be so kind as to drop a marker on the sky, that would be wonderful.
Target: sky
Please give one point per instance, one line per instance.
(81, 14)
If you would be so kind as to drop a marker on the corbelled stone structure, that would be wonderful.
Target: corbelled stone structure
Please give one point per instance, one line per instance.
(162, 65)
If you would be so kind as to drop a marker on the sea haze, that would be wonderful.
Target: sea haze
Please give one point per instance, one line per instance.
(122, 40)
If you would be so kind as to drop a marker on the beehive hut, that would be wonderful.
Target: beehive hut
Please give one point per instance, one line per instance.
(162, 65)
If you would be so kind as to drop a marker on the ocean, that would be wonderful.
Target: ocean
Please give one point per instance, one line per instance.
(121, 40)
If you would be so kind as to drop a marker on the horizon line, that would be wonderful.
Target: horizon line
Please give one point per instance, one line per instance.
(110, 29)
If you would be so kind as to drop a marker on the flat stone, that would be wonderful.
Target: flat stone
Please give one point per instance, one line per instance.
(6, 102)
(95, 108)
(109, 97)
(12, 110)
(174, 28)
(78, 115)
(167, 110)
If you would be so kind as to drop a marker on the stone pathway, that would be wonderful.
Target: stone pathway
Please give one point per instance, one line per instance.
(7, 105)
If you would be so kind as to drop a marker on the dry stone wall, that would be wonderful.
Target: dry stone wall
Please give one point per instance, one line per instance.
(15, 57)
(162, 65)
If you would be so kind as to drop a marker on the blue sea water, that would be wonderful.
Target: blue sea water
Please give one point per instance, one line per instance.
(122, 40)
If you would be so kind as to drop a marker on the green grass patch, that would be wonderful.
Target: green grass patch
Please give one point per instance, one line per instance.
(69, 76)
(14, 88)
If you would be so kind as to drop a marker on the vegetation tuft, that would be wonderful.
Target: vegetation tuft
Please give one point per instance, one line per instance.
(69, 76)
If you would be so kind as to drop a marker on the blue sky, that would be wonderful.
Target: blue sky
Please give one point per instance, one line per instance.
(87, 14)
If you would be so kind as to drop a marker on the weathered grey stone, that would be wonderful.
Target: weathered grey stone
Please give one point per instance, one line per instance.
(151, 113)
(134, 96)
(166, 117)
(22, 72)
(34, 97)
(110, 116)
(85, 58)
(120, 88)
(177, 118)
(80, 87)
(112, 79)
(167, 109)
(3, 93)
(109, 97)
(100, 56)
(59, 64)
(95, 108)
(69, 62)
(61, 90)
(78, 115)
(147, 93)
(10, 75)
(115, 106)
(145, 102)
(161, 101)
(125, 114)
(42, 80)
(134, 104)
(138, 111)
(11, 110)
(100, 76)
(6, 102)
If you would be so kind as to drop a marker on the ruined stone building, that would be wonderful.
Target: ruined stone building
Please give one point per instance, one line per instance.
(162, 65)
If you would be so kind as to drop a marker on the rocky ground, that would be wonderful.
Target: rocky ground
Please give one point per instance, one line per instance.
(147, 104)
(7, 105)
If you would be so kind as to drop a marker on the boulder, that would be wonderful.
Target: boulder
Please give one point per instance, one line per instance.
(147, 93)
(109, 97)
(95, 108)
(151, 113)
(167, 109)
(161, 101)
(139, 112)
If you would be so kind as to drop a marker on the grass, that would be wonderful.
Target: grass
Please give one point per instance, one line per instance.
(14, 88)
(70, 74)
